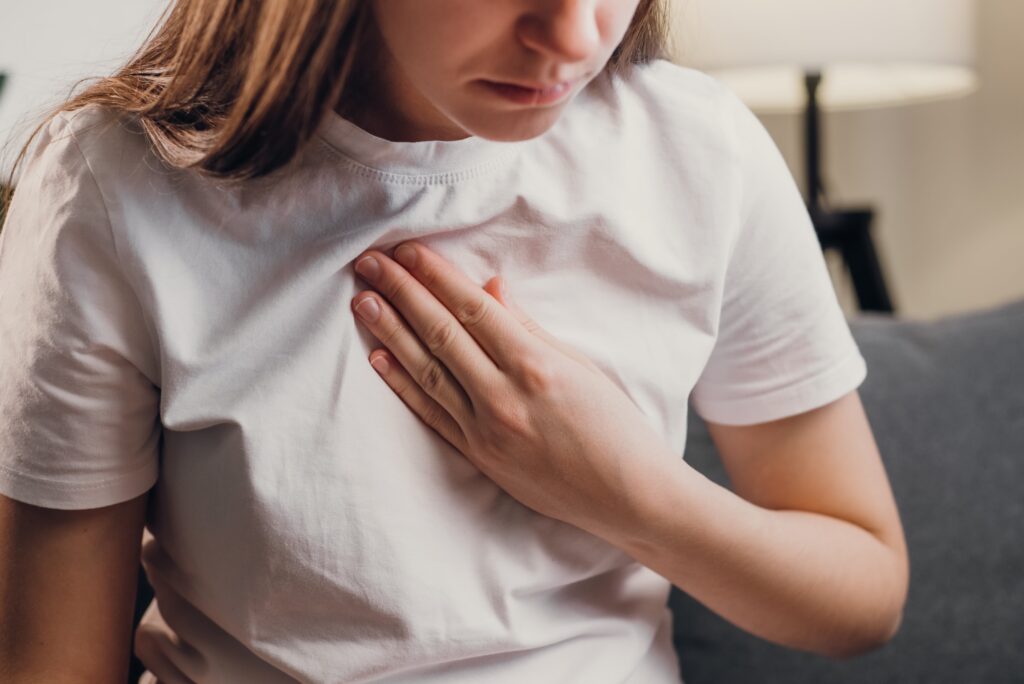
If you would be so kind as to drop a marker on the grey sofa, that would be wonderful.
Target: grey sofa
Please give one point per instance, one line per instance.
(945, 399)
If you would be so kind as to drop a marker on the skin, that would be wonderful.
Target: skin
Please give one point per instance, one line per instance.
(425, 83)
(67, 591)
(808, 551)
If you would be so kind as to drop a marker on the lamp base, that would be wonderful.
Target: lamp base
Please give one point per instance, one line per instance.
(849, 231)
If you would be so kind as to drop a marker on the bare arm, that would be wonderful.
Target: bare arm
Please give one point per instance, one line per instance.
(67, 591)
(807, 553)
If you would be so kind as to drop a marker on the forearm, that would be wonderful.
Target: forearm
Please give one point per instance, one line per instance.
(67, 591)
(795, 578)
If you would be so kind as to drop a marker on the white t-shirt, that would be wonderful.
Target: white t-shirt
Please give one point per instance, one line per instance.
(159, 329)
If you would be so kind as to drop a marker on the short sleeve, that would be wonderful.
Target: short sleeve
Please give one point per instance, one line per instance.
(783, 343)
(79, 405)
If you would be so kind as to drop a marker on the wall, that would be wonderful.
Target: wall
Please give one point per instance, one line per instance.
(47, 45)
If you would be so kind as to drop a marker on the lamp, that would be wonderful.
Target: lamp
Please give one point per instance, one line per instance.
(790, 56)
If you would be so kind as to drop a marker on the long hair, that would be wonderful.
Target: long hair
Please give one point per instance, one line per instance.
(234, 89)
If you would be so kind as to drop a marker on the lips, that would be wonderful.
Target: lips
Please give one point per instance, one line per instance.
(536, 86)
(542, 91)
(529, 96)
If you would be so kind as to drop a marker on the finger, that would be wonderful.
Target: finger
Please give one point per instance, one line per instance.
(494, 329)
(496, 288)
(429, 374)
(434, 326)
(425, 408)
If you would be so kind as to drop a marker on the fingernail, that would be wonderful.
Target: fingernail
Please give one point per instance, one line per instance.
(380, 364)
(368, 309)
(406, 255)
(368, 268)
(506, 295)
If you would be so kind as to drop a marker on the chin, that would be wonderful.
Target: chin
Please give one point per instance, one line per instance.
(515, 126)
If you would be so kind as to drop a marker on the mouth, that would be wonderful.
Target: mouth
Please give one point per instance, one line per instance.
(531, 96)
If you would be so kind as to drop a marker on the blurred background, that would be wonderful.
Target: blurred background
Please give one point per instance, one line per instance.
(943, 177)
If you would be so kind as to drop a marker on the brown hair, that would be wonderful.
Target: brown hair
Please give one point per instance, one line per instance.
(234, 89)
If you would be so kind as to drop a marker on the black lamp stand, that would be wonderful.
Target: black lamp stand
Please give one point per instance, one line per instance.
(848, 229)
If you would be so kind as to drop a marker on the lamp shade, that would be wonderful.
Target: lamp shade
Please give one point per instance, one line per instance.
(871, 53)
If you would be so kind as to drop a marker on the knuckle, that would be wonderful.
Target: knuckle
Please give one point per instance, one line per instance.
(396, 289)
(536, 375)
(432, 376)
(440, 336)
(473, 313)
(390, 332)
(429, 277)
(504, 421)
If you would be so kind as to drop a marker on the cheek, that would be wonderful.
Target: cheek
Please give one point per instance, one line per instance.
(436, 39)
(614, 18)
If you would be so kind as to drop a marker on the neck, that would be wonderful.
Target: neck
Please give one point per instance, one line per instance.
(371, 96)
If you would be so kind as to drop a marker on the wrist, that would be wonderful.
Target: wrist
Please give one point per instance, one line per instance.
(652, 516)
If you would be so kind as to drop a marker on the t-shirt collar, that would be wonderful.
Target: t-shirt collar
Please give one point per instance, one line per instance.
(426, 158)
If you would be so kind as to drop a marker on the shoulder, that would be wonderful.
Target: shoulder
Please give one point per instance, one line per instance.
(696, 115)
(660, 82)
(94, 163)
(668, 94)
(60, 205)
(684, 115)
(74, 148)
(55, 176)
(82, 130)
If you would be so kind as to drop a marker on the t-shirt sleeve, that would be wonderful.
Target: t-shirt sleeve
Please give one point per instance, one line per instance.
(783, 345)
(79, 403)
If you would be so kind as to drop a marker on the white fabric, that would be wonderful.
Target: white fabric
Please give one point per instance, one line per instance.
(305, 524)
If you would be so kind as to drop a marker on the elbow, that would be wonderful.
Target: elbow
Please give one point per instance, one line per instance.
(872, 641)
(887, 621)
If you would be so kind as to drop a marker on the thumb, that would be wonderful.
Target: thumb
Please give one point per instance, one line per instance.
(497, 289)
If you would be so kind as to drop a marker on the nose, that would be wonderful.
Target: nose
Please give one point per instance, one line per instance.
(566, 29)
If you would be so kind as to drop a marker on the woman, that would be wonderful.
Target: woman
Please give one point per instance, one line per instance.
(183, 274)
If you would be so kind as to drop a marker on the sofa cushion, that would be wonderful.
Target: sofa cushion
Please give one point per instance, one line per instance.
(945, 399)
